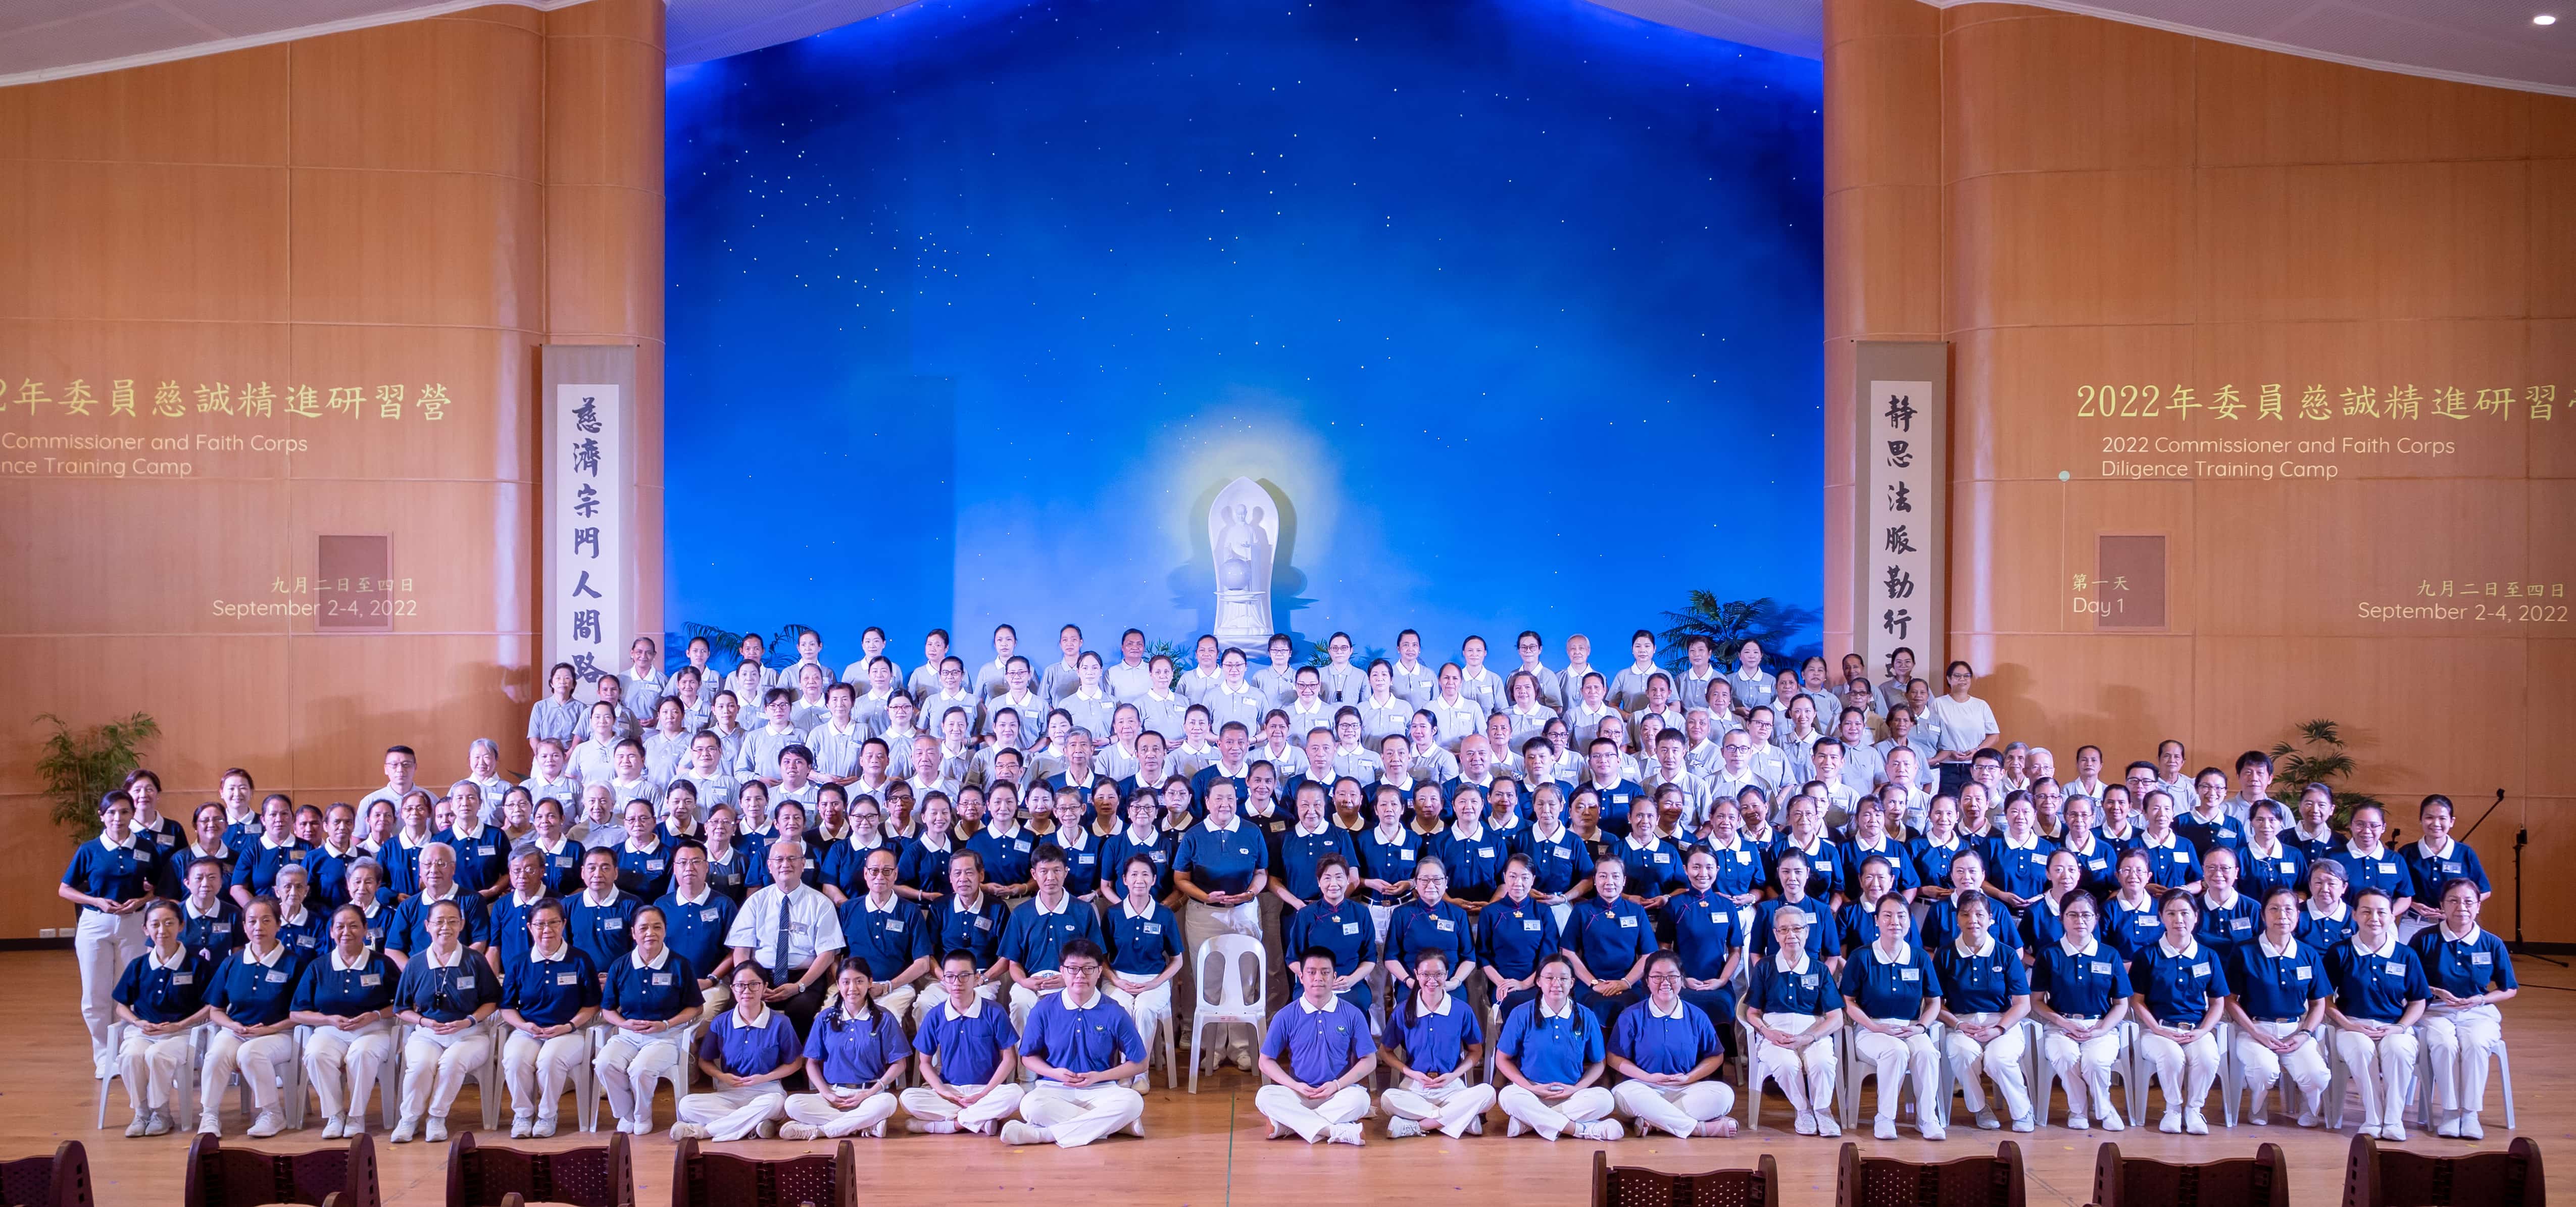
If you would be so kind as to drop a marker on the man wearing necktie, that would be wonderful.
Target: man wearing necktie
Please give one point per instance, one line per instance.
(792, 933)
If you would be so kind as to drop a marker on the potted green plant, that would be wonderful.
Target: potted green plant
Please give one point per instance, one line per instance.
(81, 765)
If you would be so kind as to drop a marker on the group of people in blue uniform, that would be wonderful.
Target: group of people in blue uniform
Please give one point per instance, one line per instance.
(972, 899)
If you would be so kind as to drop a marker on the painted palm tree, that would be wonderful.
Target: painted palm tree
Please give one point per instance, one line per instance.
(1729, 624)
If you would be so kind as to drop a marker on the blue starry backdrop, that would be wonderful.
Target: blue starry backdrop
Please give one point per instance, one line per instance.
(975, 305)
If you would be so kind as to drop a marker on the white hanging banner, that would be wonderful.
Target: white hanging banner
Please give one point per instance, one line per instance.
(1899, 506)
(590, 569)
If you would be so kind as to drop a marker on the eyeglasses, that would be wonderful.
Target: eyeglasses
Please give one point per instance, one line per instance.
(1663, 977)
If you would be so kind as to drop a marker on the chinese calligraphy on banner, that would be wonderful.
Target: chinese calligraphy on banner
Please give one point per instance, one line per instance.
(588, 570)
(1900, 524)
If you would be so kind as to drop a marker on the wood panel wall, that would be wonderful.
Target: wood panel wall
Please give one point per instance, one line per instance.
(416, 203)
(2072, 200)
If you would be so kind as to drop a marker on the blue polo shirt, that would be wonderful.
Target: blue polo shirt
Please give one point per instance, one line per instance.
(330, 875)
(562, 865)
(2081, 984)
(1852, 856)
(1141, 946)
(2179, 988)
(1006, 860)
(1932, 860)
(2376, 985)
(698, 931)
(2430, 872)
(1346, 930)
(2464, 967)
(967, 1049)
(1975, 983)
(2277, 988)
(1615, 801)
(2169, 867)
(1318, 1045)
(1391, 860)
(2230, 928)
(1082, 866)
(748, 1051)
(2259, 877)
(2206, 836)
(888, 941)
(2325, 933)
(742, 872)
(510, 927)
(1824, 934)
(2042, 924)
(643, 875)
(1035, 939)
(1654, 870)
(1222, 861)
(1552, 1048)
(652, 993)
(2097, 867)
(1660, 1044)
(2387, 874)
(2314, 849)
(2023, 872)
(447, 994)
(602, 932)
(213, 935)
(1810, 990)
(1436, 1041)
(977, 932)
(255, 994)
(345, 993)
(1475, 864)
(845, 866)
(1557, 863)
(165, 995)
(1299, 853)
(308, 936)
(256, 870)
(481, 861)
(2131, 930)
(409, 931)
(1085, 1039)
(1890, 989)
(550, 992)
(1609, 936)
(1705, 928)
(1512, 937)
(1446, 929)
(856, 1051)
(1116, 849)
(1742, 868)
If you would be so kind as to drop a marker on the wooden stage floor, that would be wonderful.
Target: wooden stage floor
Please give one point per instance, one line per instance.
(1207, 1149)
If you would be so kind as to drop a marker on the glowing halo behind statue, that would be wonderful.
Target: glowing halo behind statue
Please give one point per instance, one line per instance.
(1243, 539)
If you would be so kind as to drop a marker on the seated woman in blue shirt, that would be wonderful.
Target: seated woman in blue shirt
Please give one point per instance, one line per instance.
(1551, 1054)
(1823, 935)
(2380, 996)
(2097, 857)
(1941, 921)
(854, 1059)
(1513, 933)
(1793, 1008)
(2172, 862)
(1429, 921)
(2468, 972)
(1473, 853)
(2130, 918)
(1142, 835)
(2435, 860)
(1608, 939)
(2043, 924)
(651, 998)
(347, 998)
(247, 1001)
(2080, 994)
(446, 996)
(1985, 993)
(2179, 988)
(1332, 922)
(161, 998)
(2228, 919)
(1432, 1046)
(1144, 947)
(1668, 1051)
(1892, 995)
(746, 1054)
(1874, 879)
(549, 995)
(2280, 1001)
(2267, 861)
(1708, 935)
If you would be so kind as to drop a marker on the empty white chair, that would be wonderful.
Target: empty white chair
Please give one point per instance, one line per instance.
(1222, 970)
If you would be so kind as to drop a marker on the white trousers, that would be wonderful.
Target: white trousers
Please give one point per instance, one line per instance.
(731, 1114)
(1811, 1093)
(1078, 1115)
(105, 944)
(342, 1065)
(1451, 1108)
(818, 1111)
(435, 1068)
(536, 1071)
(2191, 1068)
(1550, 1121)
(2458, 1041)
(263, 1063)
(1023, 1000)
(2383, 1070)
(2305, 1065)
(1311, 1120)
(1999, 1058)
(629, 1067)
(1150, 1009)
(921, 1102)
(1199, 923)
(152, 1066)
(2085, 1068)
(1676, 1109)
(1892, 1059)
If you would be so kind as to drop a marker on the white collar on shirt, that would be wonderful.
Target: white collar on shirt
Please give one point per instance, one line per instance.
(2150, 842)
(1658, 1011)
(870, 901)
(190, 906)
(2190, 947)
(1320, 827)
(1038, 902)
(1330, 1004)
(589, 900)
(1544, 1012)
(2444, 852)
(2337, 916)
(2387, 946)
(757, 1024)
(1227, 828)
(2031, 845)
(636, 957)
(2448, 937)
(2358, 853)
(2276, 952)
(562, 951)
(700, 899)
(1960, 945)
(175, 961)
(2068, 946)
(1780, 963)
(454, 959)
(1904, 952)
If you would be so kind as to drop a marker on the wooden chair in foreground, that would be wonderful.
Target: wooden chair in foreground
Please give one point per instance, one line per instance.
(1632, 1186)
(2393, 1177)
(61, 1180)
(715, 1179)
(596, 1175)
(2262, 1180)
(343, 1176)
(1994, 1181)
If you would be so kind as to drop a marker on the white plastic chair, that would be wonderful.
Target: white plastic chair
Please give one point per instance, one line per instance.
(1221, 969)
(2031, 1036)
(386, 1085)
(677, 1075)
(2424, 1095)
(2233, 1085)
(290, 1081)
(2043, 1077)
(486, 1077)
(1754, 1079)
(581, 1085)
(2140, 1073)
(183, 1100)
(1855, 1070)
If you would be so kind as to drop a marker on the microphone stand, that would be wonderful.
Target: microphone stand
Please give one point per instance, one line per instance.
(2521, 839)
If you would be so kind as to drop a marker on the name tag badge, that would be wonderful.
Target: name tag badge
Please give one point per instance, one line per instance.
(2397, 967)
(1153, 928)
(652, 865)
(1350, 928)
(662, 979)
(1909, 974)
(1627, 922)
(1405, 853)
(2388, 869)
(612, 922)
(1488, 853)
(2289, 867)
(1744, 856)
(567, 978)
(1807, 980)
(2481, 959)
(709, 914)
(983, 923)
(1530, 924)
(223, 928)
(183, 978)
(485, 850)
(2096, 864)
(2101, 969)
(1022, 846)
(370, 980)
(276, 976)
(2200, 970)
(2303, 972)
(1443, 925)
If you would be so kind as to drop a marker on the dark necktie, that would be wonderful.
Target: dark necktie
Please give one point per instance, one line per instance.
(778, 972)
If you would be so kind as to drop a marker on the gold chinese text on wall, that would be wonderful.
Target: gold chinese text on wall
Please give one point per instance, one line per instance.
(2269, 430)
(121, 427)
